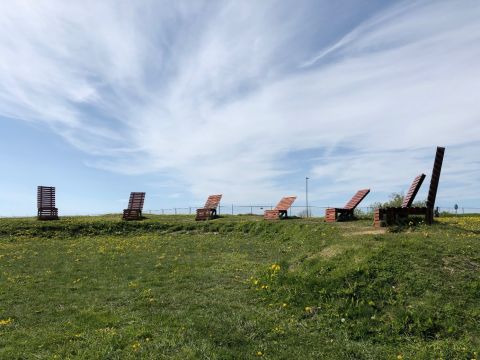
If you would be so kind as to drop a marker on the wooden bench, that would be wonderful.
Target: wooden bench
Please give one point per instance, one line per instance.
(209, 211)
(346, 213)
(46, 209)
(281, 210)
(135, 206)
(395, 215)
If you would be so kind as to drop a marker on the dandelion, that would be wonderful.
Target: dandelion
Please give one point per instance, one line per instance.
(136, 346)
(342, 320)
(5, 322)
(308, 309)
(275, 267)
(284, 305)
(399, 357)
(259, 353)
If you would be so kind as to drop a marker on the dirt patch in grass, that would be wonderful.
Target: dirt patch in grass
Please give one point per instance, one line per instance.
(454, 264)
(331, 251)
(370, 231)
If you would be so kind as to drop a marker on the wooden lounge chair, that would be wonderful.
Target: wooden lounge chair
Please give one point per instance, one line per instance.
(209, 211)
(393, 215)
(346, 213)
(135, 206)
(46, 203)
(280, 211)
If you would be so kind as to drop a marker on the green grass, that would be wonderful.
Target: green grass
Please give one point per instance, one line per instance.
(238, 287)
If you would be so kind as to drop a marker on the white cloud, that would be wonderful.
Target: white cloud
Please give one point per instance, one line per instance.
(217, 94)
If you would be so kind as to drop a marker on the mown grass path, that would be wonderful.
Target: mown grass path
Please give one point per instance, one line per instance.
(238, 287)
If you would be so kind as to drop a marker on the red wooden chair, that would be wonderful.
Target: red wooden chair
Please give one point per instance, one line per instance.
(46, 203)
(393, 215)
(135, 206)
(209, 211)
(346, 213)
(281, 210)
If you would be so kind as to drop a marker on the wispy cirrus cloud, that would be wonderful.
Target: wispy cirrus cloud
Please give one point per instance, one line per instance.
(216, 95)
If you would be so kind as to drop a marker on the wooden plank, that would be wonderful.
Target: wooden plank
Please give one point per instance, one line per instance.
(437, 169)
(412, 192)
(285, 203)
(136, 201)
(204, 214)
(357, 199)
(271, 215)
(213, 201)
(330, 215)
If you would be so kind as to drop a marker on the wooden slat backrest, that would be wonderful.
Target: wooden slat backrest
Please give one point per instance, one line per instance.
(213, 201)
(136, 201)
(437, 168)
(412, 192)
(357, 199)
(45, 197)
(285, 203)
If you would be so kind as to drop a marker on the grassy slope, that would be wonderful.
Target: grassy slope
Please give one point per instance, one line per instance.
(97, 287)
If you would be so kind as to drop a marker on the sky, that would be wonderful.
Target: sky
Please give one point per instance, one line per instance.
(182, 99)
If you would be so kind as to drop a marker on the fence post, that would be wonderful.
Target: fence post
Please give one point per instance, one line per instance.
(162, 212)
(232, 209)
(175, 209)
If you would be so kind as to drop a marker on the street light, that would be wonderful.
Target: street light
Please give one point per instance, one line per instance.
(306, 192)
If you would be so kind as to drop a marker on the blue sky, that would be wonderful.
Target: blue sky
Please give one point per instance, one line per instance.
(183, 99)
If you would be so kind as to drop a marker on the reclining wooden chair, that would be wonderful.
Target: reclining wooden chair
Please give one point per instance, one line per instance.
(209, 211)
(135, 206)
(346, 213)
(46, 203)
(281, 210)
(392, 215)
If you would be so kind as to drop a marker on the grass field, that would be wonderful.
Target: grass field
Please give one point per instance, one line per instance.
(238, 287)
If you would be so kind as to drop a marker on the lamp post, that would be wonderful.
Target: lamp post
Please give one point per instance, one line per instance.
(306, 193)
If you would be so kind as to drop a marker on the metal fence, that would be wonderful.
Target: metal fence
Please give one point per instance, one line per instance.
(300, 211)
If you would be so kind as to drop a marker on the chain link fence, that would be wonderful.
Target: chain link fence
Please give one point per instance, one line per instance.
(300, 211)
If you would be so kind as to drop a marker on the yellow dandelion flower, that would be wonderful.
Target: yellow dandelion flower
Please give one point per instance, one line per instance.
(275, 267)
(5, 322)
